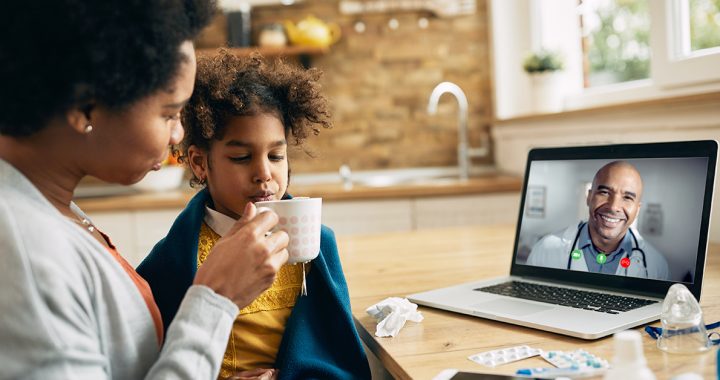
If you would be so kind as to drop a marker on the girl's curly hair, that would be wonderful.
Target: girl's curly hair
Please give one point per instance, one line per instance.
(227, 86)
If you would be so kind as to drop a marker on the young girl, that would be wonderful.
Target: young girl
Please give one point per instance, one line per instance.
(238, 121)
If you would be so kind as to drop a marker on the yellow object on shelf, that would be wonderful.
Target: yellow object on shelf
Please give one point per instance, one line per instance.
(312, 31)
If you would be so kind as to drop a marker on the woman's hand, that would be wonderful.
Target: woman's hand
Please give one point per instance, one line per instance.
(255, 374)
(243, 263)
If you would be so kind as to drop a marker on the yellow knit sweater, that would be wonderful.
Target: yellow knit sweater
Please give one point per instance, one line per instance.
(258, 329)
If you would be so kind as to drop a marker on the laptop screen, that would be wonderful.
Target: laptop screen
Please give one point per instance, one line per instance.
(623, 215)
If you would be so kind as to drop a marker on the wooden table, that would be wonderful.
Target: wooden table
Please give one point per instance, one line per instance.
(398, 264)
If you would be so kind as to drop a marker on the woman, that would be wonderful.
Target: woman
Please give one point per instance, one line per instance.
(96, 88)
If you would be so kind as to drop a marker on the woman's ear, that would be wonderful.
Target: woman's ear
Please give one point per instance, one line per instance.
(198, 161)
(79, 119)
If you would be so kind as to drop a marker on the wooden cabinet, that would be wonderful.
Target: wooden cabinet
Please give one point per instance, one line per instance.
(376, 216)
(135, 232)
(118, 225)
(368, 216)
(150, 227)
(466, 210)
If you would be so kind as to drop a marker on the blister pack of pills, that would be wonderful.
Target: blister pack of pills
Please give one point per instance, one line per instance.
(506, 355)
(578, 359)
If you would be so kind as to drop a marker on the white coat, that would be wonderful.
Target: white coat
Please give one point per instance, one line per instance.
(553, 251)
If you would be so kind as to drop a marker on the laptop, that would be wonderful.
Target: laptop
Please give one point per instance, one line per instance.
(595, 257)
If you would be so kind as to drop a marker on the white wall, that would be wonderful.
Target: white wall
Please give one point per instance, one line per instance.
(520, 27)
(510, 31)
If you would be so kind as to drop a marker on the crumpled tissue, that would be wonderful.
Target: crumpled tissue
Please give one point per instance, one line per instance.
(392, 313)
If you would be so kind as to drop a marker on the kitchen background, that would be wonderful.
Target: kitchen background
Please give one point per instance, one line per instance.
(380, 72)
(379, 76)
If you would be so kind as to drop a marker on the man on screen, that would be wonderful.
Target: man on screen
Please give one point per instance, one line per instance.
(605, 243)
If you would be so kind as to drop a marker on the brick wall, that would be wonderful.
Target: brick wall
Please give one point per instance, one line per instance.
(379, 81)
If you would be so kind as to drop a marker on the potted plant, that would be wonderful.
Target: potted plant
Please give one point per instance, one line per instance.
(543, 67)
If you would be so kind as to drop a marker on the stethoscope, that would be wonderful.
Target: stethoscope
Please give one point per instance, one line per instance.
(632, 234)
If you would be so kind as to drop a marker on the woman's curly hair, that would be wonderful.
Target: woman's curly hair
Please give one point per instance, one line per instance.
(228, 86)
(60, 54)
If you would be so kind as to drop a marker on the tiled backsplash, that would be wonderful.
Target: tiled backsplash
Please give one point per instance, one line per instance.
(379, 81)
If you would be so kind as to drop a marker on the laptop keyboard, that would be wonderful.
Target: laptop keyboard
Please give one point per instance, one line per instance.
(580, 299)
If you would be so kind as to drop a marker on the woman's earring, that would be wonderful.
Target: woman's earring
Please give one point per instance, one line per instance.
(88, 128)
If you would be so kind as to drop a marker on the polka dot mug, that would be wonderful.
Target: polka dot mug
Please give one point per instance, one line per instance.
(300, 218)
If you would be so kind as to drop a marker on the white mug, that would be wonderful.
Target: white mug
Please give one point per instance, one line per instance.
(300, 218)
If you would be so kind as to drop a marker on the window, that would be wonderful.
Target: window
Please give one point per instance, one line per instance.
(615, 41)
(704, 18)
(615, 36)
(684, 40)
(616, 51)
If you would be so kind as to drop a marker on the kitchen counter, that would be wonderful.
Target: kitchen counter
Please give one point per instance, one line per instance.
(487, 184)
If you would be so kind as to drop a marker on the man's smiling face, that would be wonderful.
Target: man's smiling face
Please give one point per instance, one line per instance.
(613, 203)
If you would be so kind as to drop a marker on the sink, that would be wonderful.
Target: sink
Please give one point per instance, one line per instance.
(386, 181)
(391, 177)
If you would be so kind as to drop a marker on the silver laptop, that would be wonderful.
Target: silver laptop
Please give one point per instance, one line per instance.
(603, 232)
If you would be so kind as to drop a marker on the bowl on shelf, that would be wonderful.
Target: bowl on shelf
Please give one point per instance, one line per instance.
(167, 178)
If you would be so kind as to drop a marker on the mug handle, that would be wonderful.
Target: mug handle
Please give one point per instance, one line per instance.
(261, 210)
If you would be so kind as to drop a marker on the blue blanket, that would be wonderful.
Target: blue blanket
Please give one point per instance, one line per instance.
(320, 339)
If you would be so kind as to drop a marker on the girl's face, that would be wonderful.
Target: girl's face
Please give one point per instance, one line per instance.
(127, 144)
(248, 165)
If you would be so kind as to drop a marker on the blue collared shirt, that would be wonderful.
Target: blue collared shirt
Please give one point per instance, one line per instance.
(591, 252)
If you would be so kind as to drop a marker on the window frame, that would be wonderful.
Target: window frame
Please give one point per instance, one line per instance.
(675, 65)
(674, 71)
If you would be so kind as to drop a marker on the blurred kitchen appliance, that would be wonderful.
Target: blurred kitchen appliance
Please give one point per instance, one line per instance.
(272, 35)
(239, 27)
(238, 18)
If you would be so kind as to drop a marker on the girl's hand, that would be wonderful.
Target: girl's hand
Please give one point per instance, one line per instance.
(255, 374)
(243, 263)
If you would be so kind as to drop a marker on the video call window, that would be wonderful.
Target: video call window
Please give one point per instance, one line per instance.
(641, 218)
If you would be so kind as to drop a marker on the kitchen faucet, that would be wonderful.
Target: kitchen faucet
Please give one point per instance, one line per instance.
(464, 153)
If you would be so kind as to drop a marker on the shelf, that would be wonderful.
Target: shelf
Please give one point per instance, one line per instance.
(269, 51)
(302, 52)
